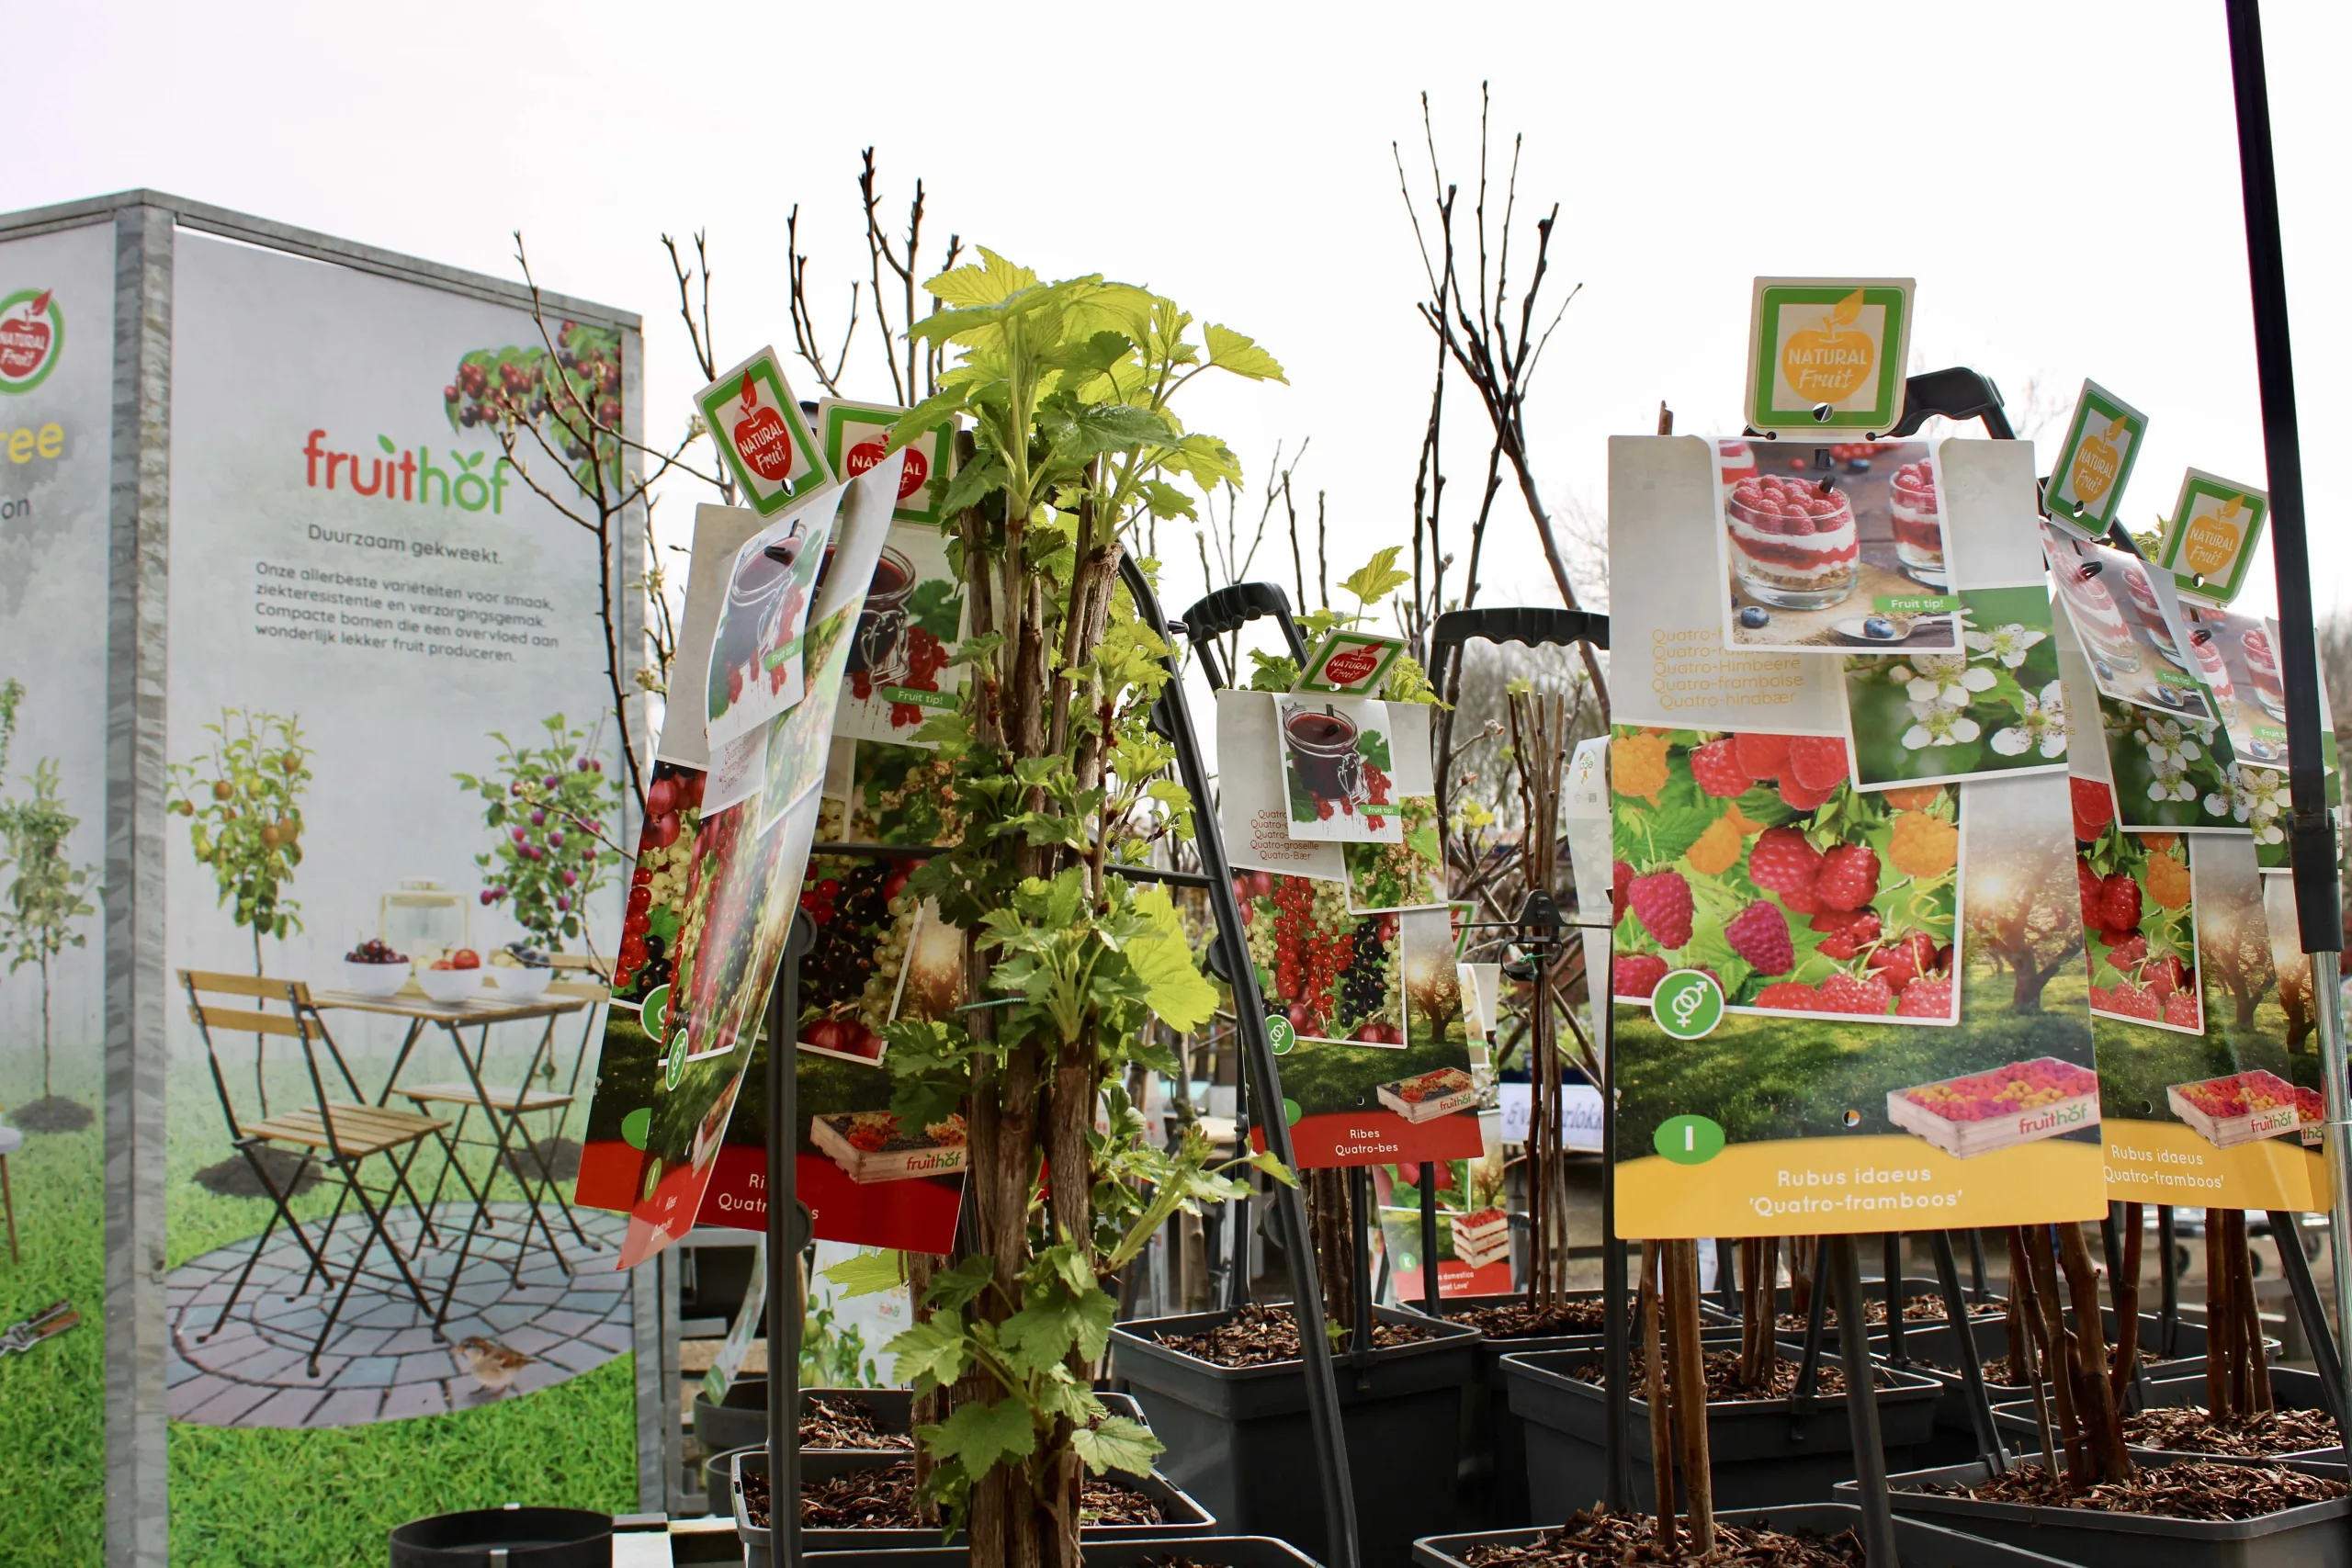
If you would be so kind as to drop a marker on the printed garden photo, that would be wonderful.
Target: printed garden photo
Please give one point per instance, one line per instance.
(2018, 985)
(2253, 1049)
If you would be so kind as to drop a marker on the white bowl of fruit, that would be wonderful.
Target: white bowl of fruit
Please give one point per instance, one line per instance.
(452, 978)
(373, 969)
(521, 972)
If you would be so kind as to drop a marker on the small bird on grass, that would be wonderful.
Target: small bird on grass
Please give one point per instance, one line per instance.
(493, 1365)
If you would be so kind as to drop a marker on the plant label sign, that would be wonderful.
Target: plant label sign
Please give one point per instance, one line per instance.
(1827, 354)
(2125, 620)
(2095, 462)
(2209, 544)
(659, 1142)
(720, 533)
(2206, 1067)
(762, 434)
(1351, 664)
(1840, 999)
(854, 437)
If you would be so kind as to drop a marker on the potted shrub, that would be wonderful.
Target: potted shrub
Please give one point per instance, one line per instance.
(1056, 774)
(1226, 1389)
(2085, 1498)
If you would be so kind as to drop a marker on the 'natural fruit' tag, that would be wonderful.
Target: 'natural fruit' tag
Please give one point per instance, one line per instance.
(854, 436)
(2095, 462)
(762, 434)
(2208, 543)
(1349, 664)
(1827, 354)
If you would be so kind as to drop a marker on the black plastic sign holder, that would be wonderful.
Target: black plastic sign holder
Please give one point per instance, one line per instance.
(1222, 613)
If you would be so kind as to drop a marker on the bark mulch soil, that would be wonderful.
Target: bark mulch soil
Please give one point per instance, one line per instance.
(2194, 1489)
(2190, 1429)
(1723, 1377)
(847, 1424)
(1607, 1541)
(1922, 1308)
(1523, 1320)
(1259, 1336)
(884, 1498)
(2001, 1376)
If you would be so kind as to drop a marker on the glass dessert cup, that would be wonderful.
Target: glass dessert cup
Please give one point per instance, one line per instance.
(1918, 525)
(2262, 669)
(2152, 615)
(1735, 461)
(1794, 545)
(2215, 672)
(2106, 636)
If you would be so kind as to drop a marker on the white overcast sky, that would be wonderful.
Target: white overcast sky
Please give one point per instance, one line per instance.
(2060, 178)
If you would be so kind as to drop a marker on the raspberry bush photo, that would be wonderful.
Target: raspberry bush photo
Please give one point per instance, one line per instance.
(2139, 921)
(1752, 857)
(2009, 965)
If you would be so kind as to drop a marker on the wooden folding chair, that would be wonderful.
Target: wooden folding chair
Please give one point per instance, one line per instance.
(337, 1135)
(11, 1140)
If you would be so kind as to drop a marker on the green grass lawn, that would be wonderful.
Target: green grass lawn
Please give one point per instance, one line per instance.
(262, 1499)
(2137, 1064)
(255, 1498)
(1766, 1077)
(274, 1498)
(53, 1399)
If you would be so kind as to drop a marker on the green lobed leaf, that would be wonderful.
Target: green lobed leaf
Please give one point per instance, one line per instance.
(1118, 1442)
(980, 1437)
(868, 1274)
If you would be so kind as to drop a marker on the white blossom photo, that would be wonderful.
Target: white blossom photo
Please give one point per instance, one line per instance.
(1993, 708)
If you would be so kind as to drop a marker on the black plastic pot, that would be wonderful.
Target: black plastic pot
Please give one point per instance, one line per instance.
(1182, 1516)
(1922, 1545)
(1239, 1437)
(1493, 1468)
(742, 1421)
(1762, 1452)
(1935, 1342)
(1233, 1551)
(2318, 1535)
(527, 1538)
(2290, 1389)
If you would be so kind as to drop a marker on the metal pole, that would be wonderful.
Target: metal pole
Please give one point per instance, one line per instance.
(2298, 1270)
(2170, 1301)
(1892, 1252)
(1617, 1426)
(1839, 1257)
(2312, 834)
(1972, 1365)
(1264, 1083)
(784, 1305)
(1429, 1240)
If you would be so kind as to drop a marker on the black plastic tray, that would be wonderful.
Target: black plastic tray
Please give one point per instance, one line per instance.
(2291, 1388)
(2318, 1535)
(1922, 1545)
(1239, 1437)
(1232, 1551)
(1761, 1451)
(1185, 1518)
(742, 1422)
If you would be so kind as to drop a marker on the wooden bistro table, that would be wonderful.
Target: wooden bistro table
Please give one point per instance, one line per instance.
(503, 1108)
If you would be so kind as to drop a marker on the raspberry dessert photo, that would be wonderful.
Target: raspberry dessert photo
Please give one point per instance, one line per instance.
(1837, 545)
(1918, 525)
(1793, 544)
